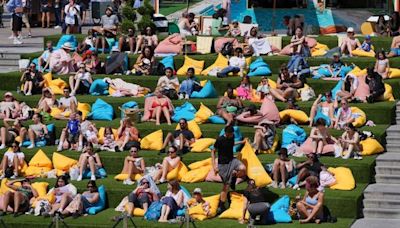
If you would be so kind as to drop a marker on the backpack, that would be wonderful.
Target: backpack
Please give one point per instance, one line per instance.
(227, 49)
(154, 211)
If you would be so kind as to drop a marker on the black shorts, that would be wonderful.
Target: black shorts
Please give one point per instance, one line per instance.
(45, 9)
(16, 23)
(73, 138)
(138, 201)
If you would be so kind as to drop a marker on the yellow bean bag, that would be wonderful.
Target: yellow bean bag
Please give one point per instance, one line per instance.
(178, 173)
(47, 79)
(40, 159)
(344, 178)
(4, 188)
(388, 95)
(199, 164)
(41, 188)
(203, 114)
(37, 171)
(100, 134)
(152, 141)
(319, 50)
(371, 146)
(358, 72)
(221, 62)
(57, 86)
(189, 62)
(198, 213)
(367, 28)
(299, 116)
(193, 127)
(57, 111)
(254, 168)
(63, 163)
(84, 108)
(361, 119)
(139, 212)
(394, 73)
(362, 53)
(273, 148)
(196, 175)
(124, 176)
(202, 145)
(235, 210)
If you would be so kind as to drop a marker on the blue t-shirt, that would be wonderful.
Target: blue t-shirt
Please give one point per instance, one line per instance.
(73, 127)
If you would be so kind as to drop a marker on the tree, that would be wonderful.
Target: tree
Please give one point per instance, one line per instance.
(147, 12)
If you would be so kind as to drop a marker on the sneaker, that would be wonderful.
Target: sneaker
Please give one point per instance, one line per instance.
(17, 42)
(29, 35)
(2, 176)
(296, 187)
(2, 146)
(79, 178)
(187, 96)
(59, 148)
(93, 177)
(57, 27)
(31, 146)
(346, 155)
(14, 176)
(180, 96)
(11, 37)
(128, 182)
(273, 185)
(80, 148)
(28, 94)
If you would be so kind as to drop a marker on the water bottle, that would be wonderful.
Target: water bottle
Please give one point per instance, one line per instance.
(18, 89)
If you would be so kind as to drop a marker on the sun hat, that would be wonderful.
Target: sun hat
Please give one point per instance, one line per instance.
(197, 190)
(67, 45)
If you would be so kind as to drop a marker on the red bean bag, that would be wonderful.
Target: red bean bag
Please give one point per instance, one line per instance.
(219, 43)
(307, 148)
(172, 44)
(362, 91)
(268, 109)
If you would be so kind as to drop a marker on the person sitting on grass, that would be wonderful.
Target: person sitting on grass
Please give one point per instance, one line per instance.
(10, 108)
(161, 107)
(325, 108)
(144, 63)
(31, 80)
(133, 164)
(70, 135)
(8, 133)
(310, 207)
(88, 42)
(44, 58)
(237, 64)
(375, 84)
(148, 38)
(127, 42)
(287, 84)
(18, 198)
(181, 138)
(67, 104)
(168, 84)
(189, 85)
(320, 136)
(12, 161)
(229, 106)
(244, 90)
(109, 143)
(81, 78)
(344, 115)
(36, 131)
(63, 192)
(47, 101)
(311, 167)
(350, 142)
(82, 202)
(264, 135)
(395, 47)
(169, 163)
(128, 135)
(255, 203)
(283, 169)
(89, 160)
(197, 199)
(349, 43)
(349, 87)
(172, 201)
(108, 30)
(234, 29)
(382, 65)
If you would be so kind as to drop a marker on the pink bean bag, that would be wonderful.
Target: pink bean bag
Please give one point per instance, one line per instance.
(172, 44)
(311, 42)
(268, 109)
(219, 43)
(362, 91)
(307, 148)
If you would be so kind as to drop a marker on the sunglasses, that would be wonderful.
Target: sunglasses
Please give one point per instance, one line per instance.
(182, 123)
(90, 186)
(14, 146)
(343, 103)
(145, 183)
(171, 152)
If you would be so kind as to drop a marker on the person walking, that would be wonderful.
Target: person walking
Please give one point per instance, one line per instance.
(17, 9)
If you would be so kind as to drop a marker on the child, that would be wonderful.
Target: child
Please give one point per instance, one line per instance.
(245, 88)
(108, 140)
(367, 44)
(234, 29)
(91, 135)
(263, 88)
(236, 64)
(73, 129)
(382, 65)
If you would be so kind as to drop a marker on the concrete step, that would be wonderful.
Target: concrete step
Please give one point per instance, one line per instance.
(392, 137)
(381, 213)
(376, 223)
(388, 179)
(6, 55)
(388, 159)
(392, 149)
(393, 128)
(390, 170)
(382, 191)
(6, 69)
(381, 203)
(9, 62)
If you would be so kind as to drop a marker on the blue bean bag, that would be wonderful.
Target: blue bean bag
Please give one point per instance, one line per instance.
(259, 68)
(216, 119)
(100, 173)
(98, 87)
(187, 195)
(293, 180)
(168, 62)
(67, 38)
(293, 134)
(237, 136)
(186, 111)
(101, 204)
(129, 104)
(111, 42)
(345, 70)
(322, 71)
(208, 91)
(101, 110)
(320, 115)
(336, 89)
(279, 211)
(41, 142)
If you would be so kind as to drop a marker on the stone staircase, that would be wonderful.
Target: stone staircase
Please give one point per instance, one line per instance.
(9, 62)
(382, 199)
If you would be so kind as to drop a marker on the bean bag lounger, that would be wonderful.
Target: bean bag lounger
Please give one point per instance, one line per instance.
(371, 146)
(344, 178)
(43, 141)
(198, 213)
(202, 145)
(128, 105)
(100, 134)
(336, 89)
(307, 148)
(362, 53)
(388, 95)
(101, 110)
(178, 173)
(279, 211)
(208, 91)
(220, 42)
(362, 91)
(189, 62)
(319, 50)
(62, 163)
(100, 205)
(360, 118)
(255, 170)
(259, 68)
(287, 50)
(171, 45)
(358, 72)
(394, 73)
(235, 210)
(299, 116)
(203, 114)
(67, 38)
(268, 109)
(221, 62)
(152, 141)
(39, 165)
(168, 61)
(98, 87)
(116, 63)
(186, 111)
(216, 119)
(293, 134)
(196, 175)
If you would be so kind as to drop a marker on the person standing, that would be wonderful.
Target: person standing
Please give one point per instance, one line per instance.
(27, 4)
(226, 5)
(72, 19)
(57, 13)
(229, 167)
(17, 9)
(2, 2)
(45, 8)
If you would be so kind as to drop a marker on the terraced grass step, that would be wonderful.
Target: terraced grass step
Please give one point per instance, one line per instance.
(113, 162)
(103, 220)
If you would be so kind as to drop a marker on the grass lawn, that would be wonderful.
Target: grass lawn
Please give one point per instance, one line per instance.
(169, 8)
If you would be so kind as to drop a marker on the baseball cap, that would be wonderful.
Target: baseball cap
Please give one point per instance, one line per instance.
(8, 94)
(197, 190)
(367, 37)
(350, 29)
(336, 54)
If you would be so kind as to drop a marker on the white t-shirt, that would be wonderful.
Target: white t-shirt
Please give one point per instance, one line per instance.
(70, 13)
(66, 102)
(237, 61)
(168, 83)
(10, 156)
(83, 76)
